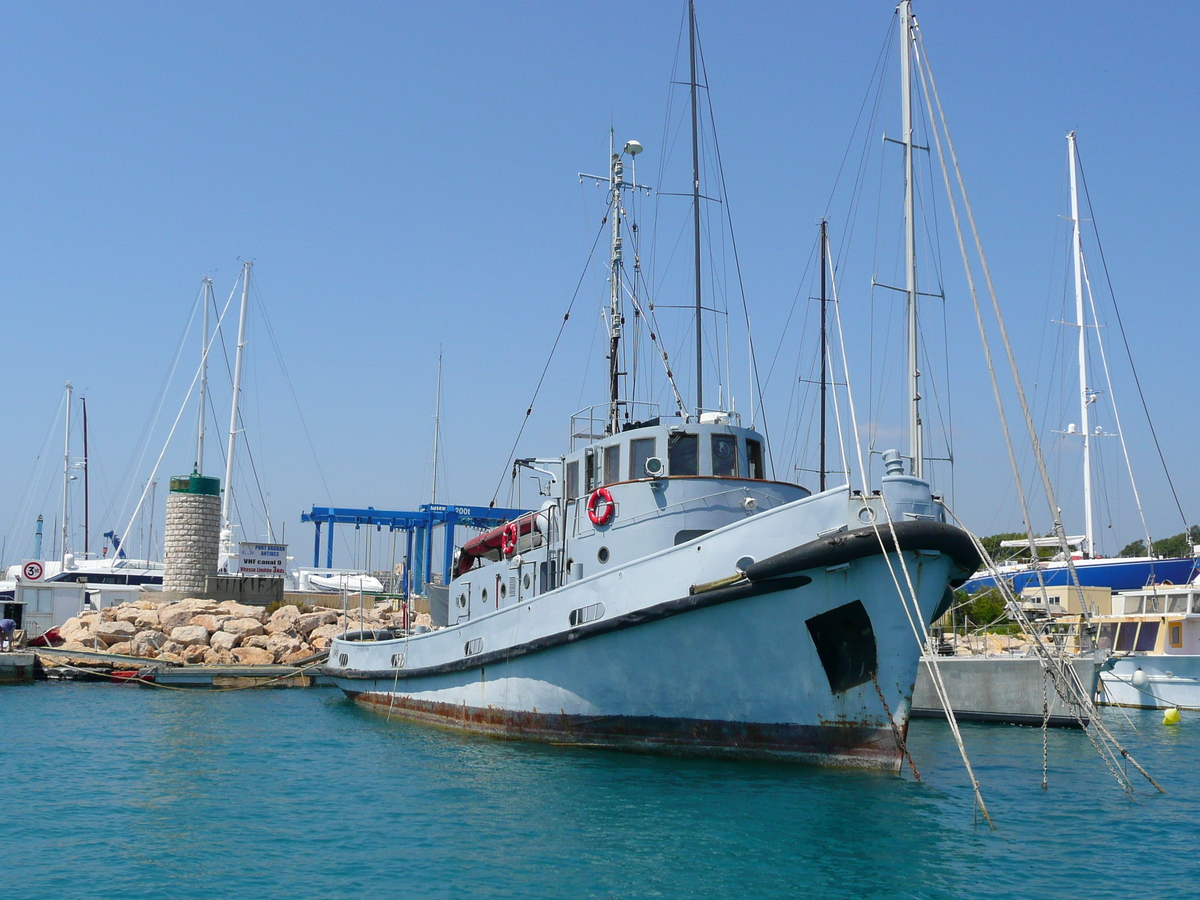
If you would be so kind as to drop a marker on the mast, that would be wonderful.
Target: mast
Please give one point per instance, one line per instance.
(203, 379)
(915, 448)
(437, 425)
(1085, 395)
(66, 479)
(615, 318)
(696, 209)
(86, 485)
(824, 349)
(227, 505)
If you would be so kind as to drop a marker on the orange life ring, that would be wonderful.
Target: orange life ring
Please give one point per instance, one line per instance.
(508, 539)
(600, 516)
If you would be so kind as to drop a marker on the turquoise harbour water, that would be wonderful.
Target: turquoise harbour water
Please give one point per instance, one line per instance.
(126, 792)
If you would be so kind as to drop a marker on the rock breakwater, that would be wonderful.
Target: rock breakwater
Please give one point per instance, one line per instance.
(205, 632)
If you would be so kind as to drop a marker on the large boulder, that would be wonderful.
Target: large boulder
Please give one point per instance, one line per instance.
(253, 656)
(313, 620)
(147, 643)
(115, 632)
(122, 649)
(196, 604)
(216, 657)
(224, 641)
(241, 611)
(190, 635)
(282, 644)
(195, 654)
(257, 640)
(147, 618)
(171, 649)
(108, 614)
(77, 645)
(298, 656)
(174, 615)
(128, 613)
(212, 622)
(74, 630)
(243, 628)
(321, 637)
(283, 619)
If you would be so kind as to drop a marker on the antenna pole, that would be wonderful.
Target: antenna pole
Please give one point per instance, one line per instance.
(86, 484)
(916, 450)
(203, 378)
(66, 479)
(824, 347)
(696, 209)
(227, 505)
(437, 424)
(616, 171)
(1085, 395)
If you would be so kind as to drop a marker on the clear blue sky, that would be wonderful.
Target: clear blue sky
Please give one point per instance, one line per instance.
(404, 177)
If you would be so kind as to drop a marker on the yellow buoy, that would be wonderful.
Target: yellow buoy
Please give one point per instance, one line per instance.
(1171, 717)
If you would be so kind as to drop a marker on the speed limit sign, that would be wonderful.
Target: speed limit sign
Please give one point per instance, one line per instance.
(32, 571)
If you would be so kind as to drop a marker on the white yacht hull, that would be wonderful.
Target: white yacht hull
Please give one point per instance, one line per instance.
(1170, 680)
(674, 663)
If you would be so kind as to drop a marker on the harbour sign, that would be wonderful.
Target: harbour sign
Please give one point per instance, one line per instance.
(262, 559)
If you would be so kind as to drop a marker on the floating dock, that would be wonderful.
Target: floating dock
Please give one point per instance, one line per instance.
(17, 666)
(1005, 689)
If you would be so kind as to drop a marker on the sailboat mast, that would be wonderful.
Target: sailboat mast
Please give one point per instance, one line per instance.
(1085, 395)
(203, 378)
(66, 479)
(86, 485)
(824, 347)
(437, 426)
(915, 442)
(616, 171)
(227, 505)
(696, 208)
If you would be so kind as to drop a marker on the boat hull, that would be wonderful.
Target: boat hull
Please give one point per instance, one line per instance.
(746, 669)
(1171, 681)
(1116, 574)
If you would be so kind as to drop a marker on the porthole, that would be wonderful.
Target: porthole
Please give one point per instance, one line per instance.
(866, 515)
(462, 600)
(503, 590)
(528, 581)
(744, 563)
(483, 595)
(602, 555)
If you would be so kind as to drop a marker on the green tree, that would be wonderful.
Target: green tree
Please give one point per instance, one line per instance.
(1174, 546)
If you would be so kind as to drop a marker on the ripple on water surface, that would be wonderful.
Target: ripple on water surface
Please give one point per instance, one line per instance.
(125, 792)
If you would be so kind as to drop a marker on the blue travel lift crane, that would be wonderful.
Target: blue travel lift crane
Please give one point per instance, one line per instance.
(418, 526)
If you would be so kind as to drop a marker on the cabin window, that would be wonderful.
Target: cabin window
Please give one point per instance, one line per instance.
(572, 480)
(1125, 635)
(1196, 603)
(589, 471)
(1154, 604)
(640, 450)
(754, 465)
(1133, 606)
(683, 454)
(1177, 603)
(612, 463)
(1147, 637)
(724, 456)
(1176, 634)
(1108, 632)
(548, 576)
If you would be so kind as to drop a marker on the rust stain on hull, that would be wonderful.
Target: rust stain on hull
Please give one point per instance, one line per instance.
(845, 744)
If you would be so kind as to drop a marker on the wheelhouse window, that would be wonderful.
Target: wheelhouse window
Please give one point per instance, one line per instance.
(640, 450)
(683, 454)
(589, 471)
(572, 480)
(1147, 637)
(754, 461)
(612, 463)
(724, 456)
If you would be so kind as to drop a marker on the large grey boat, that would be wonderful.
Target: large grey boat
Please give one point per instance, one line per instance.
(669, 596)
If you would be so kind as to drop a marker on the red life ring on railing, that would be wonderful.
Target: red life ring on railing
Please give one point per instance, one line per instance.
(597, 515)
(508, 539)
